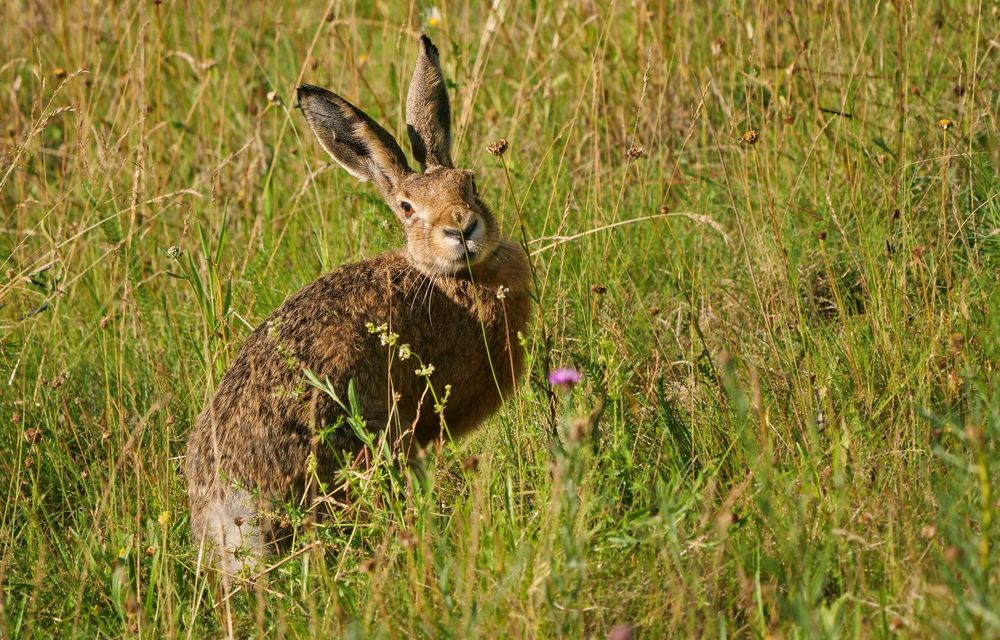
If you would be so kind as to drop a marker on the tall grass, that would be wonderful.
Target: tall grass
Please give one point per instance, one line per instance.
(784, 301)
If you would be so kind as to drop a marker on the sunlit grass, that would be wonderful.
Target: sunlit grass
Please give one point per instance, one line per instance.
(790, 407)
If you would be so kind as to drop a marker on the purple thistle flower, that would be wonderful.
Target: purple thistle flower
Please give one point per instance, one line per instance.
(621, 632)
(565, 377)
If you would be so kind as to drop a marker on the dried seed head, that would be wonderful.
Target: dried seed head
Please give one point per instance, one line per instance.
(952, 554)
(60, 379)
(718, 46)
(974, 434)
(579, 429)
(750, 136)
(599, 289)
(634, 153)
(33, 436)
(174, 252)
(131, 605)
(957, 343)
(499, 147)
(273, 97)
(725, 358)
(471, 463)
(408, 538)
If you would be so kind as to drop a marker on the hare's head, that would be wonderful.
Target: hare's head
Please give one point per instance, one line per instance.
(448, 227)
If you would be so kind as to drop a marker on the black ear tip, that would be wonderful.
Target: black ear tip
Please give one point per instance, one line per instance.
(312, 93)
(428, 44)
(307, 90)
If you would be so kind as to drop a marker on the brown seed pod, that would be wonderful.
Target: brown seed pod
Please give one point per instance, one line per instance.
(750, 136)
(499, 147)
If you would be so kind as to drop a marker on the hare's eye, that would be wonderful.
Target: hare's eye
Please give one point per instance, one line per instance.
(407, 208)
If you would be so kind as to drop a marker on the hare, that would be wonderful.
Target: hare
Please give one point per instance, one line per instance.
(457, 294)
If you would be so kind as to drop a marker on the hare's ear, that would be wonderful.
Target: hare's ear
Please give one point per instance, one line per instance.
(428, 114)
(353, 139)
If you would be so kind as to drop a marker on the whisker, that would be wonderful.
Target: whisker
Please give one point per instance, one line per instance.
(424, 280)
(430, 288)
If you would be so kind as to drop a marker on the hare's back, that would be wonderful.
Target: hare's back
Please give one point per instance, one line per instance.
(263, 407)
(323, 326)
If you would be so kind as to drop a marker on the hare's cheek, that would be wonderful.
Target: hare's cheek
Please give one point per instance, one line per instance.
(422, 245)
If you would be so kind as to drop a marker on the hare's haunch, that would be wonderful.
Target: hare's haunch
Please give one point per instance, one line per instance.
(457, 294)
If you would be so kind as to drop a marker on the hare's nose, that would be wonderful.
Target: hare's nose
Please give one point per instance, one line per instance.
(466, 232)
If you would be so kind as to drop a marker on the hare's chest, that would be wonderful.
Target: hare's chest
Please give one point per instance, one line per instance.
(448, 334)
(463, 356)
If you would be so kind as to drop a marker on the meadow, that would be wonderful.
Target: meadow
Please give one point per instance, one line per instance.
(767, 234)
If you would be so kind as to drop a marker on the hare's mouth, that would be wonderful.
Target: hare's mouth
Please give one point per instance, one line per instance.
(435, 259)
(467, 256)
(469, 251)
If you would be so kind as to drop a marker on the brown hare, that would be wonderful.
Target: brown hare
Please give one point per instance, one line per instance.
(457, 294)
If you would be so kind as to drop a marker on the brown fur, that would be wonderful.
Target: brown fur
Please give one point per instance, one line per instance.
(457, 294)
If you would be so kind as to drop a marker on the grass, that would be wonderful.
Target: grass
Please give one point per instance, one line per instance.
(793, 333)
